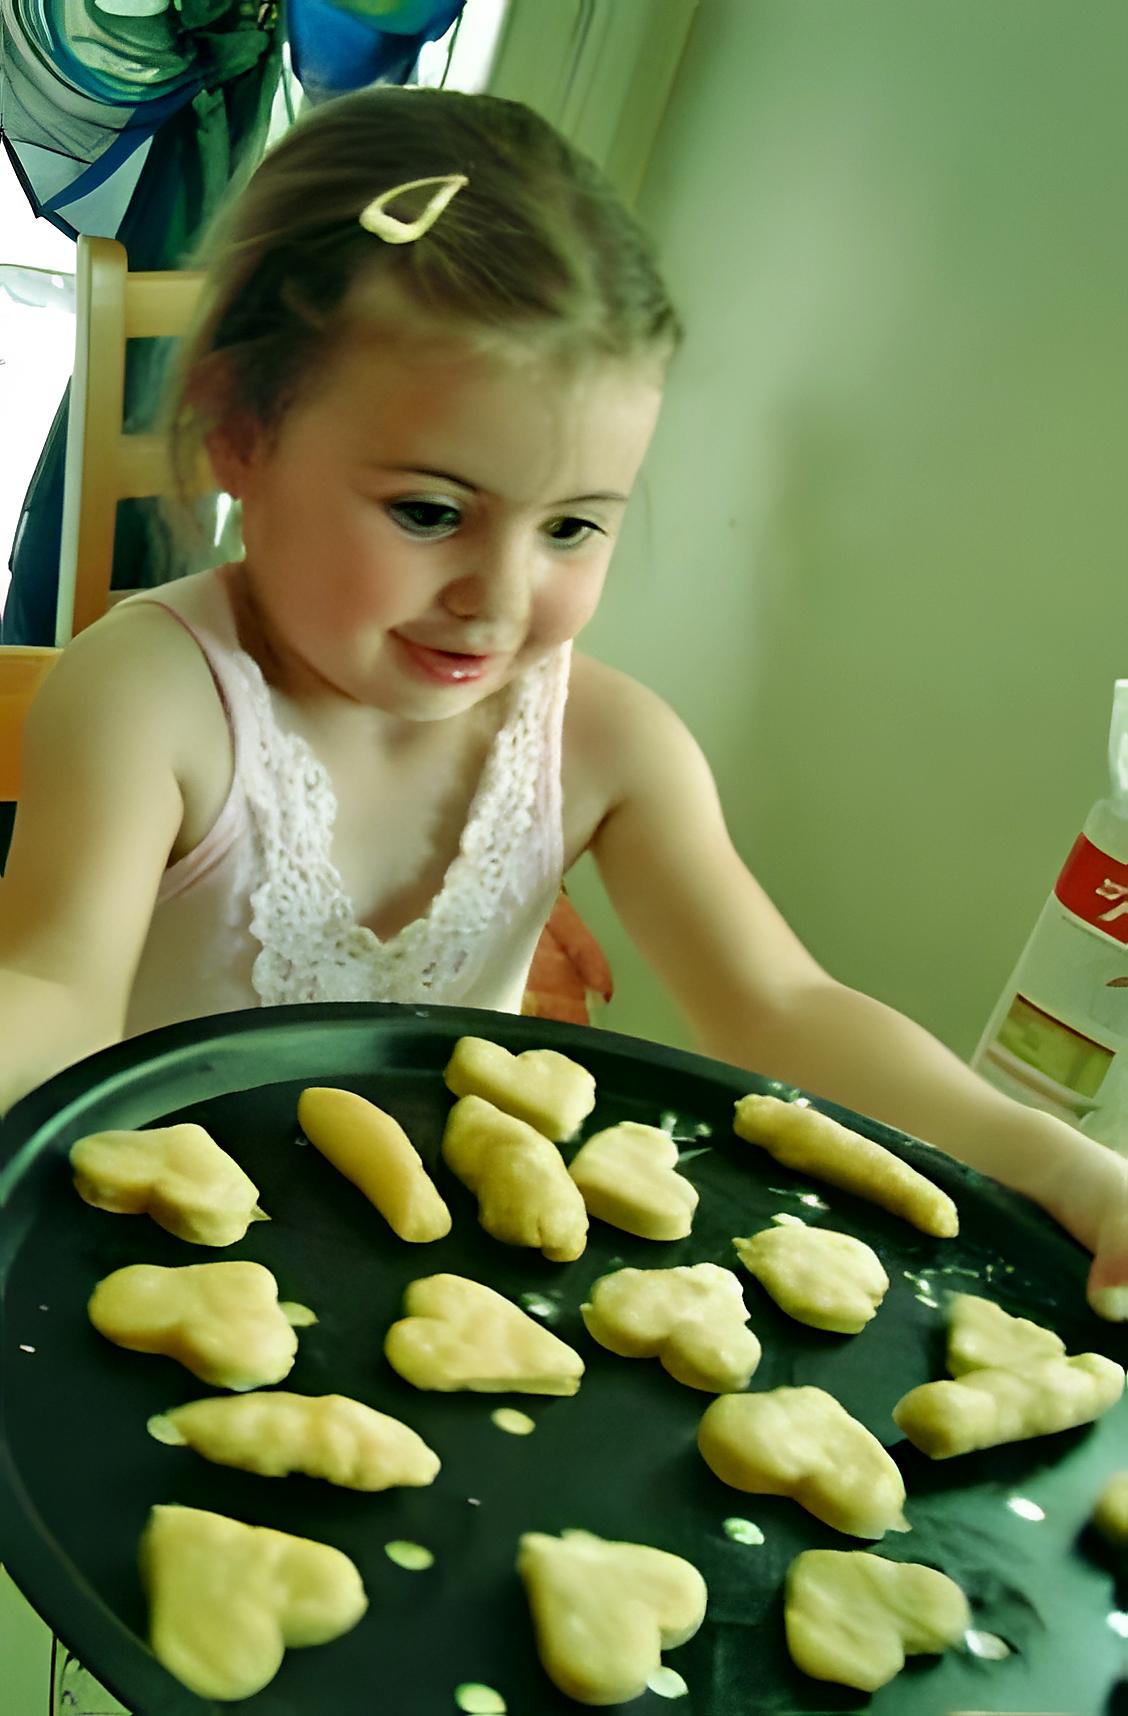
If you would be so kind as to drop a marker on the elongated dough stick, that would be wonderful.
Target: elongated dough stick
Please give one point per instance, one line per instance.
(812, 1143)
(373, 1151)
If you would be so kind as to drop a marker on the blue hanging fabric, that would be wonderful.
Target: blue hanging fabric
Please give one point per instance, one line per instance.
(137, 136)
(338, 45)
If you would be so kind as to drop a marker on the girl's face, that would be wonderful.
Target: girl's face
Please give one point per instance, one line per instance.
(427, 523)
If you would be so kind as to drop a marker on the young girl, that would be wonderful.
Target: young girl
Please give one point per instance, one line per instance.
(357, 763)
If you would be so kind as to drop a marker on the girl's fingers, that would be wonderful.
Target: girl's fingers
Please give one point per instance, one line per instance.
(1108, 1278)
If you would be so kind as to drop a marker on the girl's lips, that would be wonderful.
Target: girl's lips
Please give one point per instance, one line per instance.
(443, 666)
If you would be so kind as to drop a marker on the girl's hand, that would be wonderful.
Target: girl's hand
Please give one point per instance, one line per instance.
(1088, 1195)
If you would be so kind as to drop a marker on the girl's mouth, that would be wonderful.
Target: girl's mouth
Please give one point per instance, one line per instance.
(442, 666)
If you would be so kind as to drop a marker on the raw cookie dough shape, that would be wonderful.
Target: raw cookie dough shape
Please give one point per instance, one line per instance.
(802, 1138)
(539, 1086)
(371, 1149)
(226, 1600)
(985, 1408)
(628, 1177)
(692, 1317)
(603, 1612)
(525, 1196)
(825, 1279)
(221, 1321)
(800, 1442)
(1110, 1515)
(324, 1436)
(458, 1334)
(982, 1336)
(178, 1175)
(852, 1617)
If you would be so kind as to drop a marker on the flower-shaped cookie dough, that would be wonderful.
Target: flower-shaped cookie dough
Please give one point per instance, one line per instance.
(221, 1321)
(525, 1196)
(458, 1334)
(825, 1279)
(800, 1442)
(323, 1436)
(541, 1087)
(800, 1137)
(603, 1612)
(371, 1149)
(226, 1600)
(178, 1175)
(691, 1317)
(628, 1176)
(853, 1617)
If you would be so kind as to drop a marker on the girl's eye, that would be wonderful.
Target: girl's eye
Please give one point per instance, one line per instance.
(424, 518)
(579, 531)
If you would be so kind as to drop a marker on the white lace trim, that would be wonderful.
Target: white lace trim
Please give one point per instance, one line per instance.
(312, 948)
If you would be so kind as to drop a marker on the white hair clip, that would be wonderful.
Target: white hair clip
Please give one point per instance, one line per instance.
(375, 217)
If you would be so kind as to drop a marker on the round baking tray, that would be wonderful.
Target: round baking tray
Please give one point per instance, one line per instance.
(80, 1472)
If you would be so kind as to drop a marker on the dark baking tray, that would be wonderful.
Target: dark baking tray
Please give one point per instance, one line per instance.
(80, 1472)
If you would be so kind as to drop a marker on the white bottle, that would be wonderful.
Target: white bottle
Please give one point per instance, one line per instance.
(1058, 1038)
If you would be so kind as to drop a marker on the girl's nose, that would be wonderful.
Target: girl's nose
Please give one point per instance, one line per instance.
(498, 594)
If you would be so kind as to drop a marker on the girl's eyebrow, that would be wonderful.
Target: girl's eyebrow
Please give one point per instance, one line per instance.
(461, 482)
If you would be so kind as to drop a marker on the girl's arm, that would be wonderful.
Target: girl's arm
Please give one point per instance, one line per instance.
(755, 997)
(98, 814)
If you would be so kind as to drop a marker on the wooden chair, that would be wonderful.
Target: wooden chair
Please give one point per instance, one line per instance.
(105, 465)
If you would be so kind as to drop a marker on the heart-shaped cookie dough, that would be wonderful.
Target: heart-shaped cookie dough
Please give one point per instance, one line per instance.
(325, 1436)
(458, 1334)
(825, 1279)
(539, 1086)
(525, 1196)
(802, 1443)
(226, 1600)
(178, 1175)
(221, 1321)
(628, 1176)
(603, 1612)
(853, 1617)
(692, 1317)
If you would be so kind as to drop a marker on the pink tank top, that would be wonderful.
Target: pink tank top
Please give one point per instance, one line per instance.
(256, 915)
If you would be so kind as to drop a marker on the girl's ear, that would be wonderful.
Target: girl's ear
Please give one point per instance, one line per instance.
(232, 446)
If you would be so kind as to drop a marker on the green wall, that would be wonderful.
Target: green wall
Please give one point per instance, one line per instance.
(877, 556)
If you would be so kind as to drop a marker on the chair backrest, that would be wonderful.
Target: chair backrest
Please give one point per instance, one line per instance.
(104, 465)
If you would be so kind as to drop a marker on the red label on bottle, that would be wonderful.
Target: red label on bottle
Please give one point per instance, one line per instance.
(1094, 887)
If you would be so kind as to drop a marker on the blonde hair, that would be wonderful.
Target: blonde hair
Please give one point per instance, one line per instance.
(536, 251)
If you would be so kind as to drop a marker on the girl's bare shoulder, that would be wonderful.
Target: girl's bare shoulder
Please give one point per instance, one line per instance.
(614, 723)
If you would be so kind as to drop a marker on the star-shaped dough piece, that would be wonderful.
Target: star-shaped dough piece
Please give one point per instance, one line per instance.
(853, 1617)
(222, 1321)
(628, 1176)
(178, 1175)
(458, 1334)
(692, 1317)
(982, 1336)
(324, 1436)
(603, 1612)
(525, 1196)
(825, 1279)
(800, 1442)
(226, 1600)
(539, 1086)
